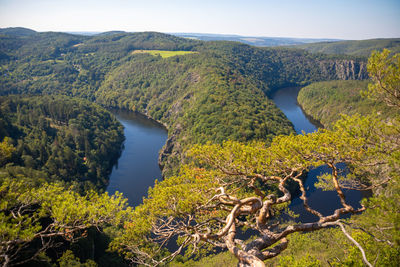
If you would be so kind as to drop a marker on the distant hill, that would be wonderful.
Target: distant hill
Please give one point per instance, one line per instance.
(110, 33)
(251, 40)
(17, 31)
(356, 48)
(97, 33)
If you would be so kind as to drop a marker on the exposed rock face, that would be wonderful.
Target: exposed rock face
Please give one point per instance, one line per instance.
(344, 69)
(170, 154)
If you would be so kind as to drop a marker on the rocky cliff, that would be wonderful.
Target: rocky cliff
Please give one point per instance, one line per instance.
(344, 69)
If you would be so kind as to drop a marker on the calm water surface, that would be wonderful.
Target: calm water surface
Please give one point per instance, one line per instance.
(137, 167)
(323, 201)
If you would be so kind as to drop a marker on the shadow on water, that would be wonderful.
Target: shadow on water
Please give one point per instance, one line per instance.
(323, 201)
(137, 167)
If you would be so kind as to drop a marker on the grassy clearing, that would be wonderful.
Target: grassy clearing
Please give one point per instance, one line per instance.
(163, 53)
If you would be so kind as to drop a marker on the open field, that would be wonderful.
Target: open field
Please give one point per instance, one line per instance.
(163, 53)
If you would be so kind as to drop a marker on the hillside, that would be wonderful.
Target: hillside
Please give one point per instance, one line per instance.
(217, 93)
(214, 94)
(59, 138)
(356, 48)
(326, 101)
(17, 31)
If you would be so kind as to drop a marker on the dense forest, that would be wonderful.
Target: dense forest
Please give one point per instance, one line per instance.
(357, 48)
(227, 163)
(326, 101)
(56, 152)
(59, 138)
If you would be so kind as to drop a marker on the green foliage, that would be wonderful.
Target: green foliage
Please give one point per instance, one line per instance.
(377, 229)
(357, 48)
(68, 259)
(6, 150)
(62, 137)
(385, 74)
(220, 259)
(30, 213)
(307, 260)
(325, 101)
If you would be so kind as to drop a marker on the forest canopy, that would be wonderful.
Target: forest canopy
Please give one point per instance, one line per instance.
(59, 138)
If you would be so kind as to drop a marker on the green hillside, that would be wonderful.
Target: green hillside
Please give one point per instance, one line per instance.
(60, 138)
(17, 31)
(214, 94)
(356, 48)
(326, 101)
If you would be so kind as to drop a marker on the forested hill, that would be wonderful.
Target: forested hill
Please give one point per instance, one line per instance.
(59, 138)
(327, 101)
(355, 48)
(215, 93)
(17, 31)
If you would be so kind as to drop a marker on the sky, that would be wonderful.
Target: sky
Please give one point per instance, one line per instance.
(341, 19)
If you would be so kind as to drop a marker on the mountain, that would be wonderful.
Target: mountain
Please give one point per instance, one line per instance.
(356, 48)
(17, 31)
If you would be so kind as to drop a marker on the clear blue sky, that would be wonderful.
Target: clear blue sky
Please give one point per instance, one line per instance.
(344, 19)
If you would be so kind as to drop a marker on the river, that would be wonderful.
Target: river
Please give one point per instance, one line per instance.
(138, 165)
(323, 201)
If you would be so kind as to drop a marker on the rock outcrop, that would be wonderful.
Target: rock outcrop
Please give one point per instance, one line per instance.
(343, 69)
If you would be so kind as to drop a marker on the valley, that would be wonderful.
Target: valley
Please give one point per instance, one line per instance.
(225, 117)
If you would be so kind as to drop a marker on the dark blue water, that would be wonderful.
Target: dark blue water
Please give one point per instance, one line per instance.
(137, 167)
(286, 100)
(323, 201)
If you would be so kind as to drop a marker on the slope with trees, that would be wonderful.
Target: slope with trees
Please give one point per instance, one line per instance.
(326, 101)
(59, 138)
(217, 93)
(55, 156)
(356, 48)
